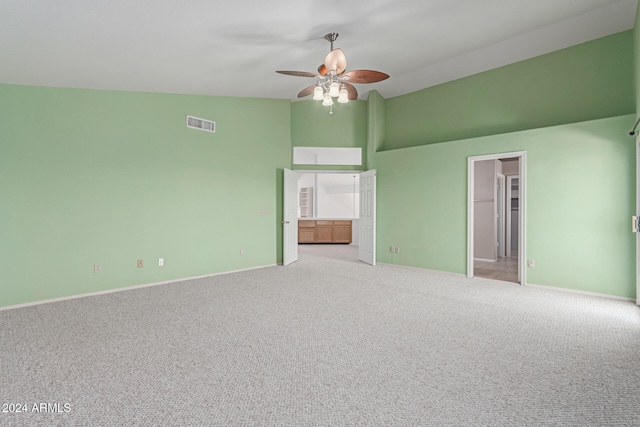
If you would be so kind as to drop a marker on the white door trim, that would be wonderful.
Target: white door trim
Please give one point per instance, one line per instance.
(522, 172)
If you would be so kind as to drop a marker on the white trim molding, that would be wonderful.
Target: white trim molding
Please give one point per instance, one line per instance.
(573, 291)
(128, 288)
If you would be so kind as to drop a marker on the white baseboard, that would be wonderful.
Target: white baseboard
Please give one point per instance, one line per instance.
(573, 291)
(423, 269)
(128, 288)
(552, 288)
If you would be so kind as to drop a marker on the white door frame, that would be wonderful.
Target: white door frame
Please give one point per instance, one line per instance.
(522, 172)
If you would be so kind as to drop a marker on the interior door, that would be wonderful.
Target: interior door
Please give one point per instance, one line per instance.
(290, 218)
(500, 215)
(511, 217)
(635, 222)
(367, 238)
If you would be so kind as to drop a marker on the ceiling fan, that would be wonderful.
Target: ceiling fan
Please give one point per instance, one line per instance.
(332, 80)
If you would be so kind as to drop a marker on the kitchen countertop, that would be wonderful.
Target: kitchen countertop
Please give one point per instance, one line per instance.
(326, 219)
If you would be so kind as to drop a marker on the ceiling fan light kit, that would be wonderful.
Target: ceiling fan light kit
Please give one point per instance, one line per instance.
(332, 81)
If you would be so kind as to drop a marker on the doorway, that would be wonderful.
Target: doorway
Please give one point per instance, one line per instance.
(496, 217)
(327, 207)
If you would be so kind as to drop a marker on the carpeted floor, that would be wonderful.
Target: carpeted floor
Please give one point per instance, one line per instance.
(325, 341)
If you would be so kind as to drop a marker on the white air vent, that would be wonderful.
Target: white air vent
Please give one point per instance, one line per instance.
(202, 124)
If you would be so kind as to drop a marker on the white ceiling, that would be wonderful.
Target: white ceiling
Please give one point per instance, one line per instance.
(232, 48)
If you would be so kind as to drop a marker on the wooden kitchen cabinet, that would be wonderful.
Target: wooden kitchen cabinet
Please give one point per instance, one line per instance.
(324, 231)
(341, 231)
(306, 231)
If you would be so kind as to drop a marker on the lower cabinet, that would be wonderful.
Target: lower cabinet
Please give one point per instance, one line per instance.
(306, 233)
(341, 231)
(324, 231)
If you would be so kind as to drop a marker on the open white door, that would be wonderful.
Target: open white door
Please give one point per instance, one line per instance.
(500, 215)
(511, 217)
(635, 219)
(290, 218)
(367, 238)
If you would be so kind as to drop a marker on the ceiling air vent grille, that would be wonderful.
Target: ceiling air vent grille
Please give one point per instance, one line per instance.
(202, 124)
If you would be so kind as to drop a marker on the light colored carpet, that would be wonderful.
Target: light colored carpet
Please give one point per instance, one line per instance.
(325, 341)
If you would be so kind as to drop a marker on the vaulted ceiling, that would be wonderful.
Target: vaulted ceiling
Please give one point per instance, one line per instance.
(232, 48)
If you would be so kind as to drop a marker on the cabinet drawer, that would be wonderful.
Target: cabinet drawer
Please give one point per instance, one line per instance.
(343, 222)
(324, 222)
(305, 223)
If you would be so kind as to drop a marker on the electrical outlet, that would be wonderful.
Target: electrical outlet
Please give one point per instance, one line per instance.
(264, 213)
(397, 249)
(392, 249)
(97, 268)
(160, 262)
(140, 263)
(531, 263)
(241, 252)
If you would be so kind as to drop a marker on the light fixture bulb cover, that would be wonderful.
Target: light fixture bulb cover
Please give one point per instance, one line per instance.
(318, 93)
(343, 98)
(327, 101)
(334, 89)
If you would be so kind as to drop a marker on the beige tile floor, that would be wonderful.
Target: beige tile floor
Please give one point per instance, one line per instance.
(505, 269)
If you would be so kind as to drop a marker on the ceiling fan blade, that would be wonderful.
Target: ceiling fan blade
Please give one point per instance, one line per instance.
(306, 91)
(353, 93)
(297, 73)
(336, 61)
(366, 76)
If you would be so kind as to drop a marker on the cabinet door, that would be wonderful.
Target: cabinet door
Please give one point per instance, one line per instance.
(324, 231)
(306, 235)
(342, 232)
(306, 231)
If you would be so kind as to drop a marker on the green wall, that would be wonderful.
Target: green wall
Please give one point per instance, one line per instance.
(375, 124)
(112, 177)
(636, 59)
(313, 126)
(584, 82)
(580, 196)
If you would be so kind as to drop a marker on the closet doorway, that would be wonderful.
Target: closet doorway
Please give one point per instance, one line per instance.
(496, 214)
